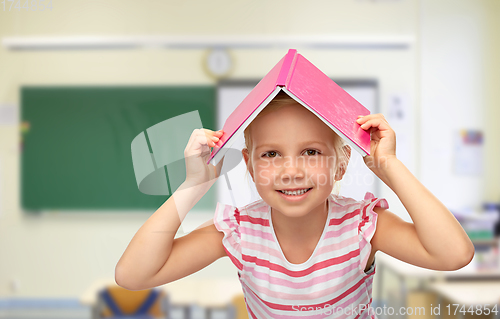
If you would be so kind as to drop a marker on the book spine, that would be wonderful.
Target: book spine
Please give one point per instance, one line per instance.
(292, 69)
(285, 68)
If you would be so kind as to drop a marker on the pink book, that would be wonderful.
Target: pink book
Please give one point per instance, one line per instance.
(310, 87)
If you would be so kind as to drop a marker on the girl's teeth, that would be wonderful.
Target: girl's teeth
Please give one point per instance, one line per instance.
(299, 192)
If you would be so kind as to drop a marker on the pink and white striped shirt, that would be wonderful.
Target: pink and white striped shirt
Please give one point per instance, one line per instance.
(332, 283)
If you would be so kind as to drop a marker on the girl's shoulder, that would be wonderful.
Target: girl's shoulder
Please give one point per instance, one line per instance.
(368, 200)
(258, 208)
(340, 200)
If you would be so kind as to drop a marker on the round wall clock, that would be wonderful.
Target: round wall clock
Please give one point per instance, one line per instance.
(218, 63)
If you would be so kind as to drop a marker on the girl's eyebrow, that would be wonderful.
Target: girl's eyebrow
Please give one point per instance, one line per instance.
(271, 146)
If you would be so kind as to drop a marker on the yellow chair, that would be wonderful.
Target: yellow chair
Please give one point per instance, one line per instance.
(117, 302)
(241, 307)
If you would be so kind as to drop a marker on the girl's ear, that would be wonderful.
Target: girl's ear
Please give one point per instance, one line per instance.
(246, 157)
(344, 160)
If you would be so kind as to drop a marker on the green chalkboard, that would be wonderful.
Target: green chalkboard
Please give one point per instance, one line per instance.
(76, 143)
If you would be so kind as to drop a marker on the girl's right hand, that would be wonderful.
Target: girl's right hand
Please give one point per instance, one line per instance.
(197, 153)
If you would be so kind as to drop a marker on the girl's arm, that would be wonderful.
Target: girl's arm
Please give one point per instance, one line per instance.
(435, 240)
(153, 256)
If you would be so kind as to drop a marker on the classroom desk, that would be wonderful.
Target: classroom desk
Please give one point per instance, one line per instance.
(475, 293)
(432, 278)
(405, 270)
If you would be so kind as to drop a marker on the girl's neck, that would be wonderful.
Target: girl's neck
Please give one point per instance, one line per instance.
(299, 228)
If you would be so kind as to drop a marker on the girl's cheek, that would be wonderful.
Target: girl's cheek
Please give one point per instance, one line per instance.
(320, 177)
(264, 164)
(263, 177)
(312, 162)
(321, 164)
(267, 166)
(262, 170)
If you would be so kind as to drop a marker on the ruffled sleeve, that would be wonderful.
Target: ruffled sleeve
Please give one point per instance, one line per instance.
(227, 220)
(367, 225)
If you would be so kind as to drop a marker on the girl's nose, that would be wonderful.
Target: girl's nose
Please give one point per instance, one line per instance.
(292, 170)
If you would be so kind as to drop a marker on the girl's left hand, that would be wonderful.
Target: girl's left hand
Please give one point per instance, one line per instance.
(383, 141)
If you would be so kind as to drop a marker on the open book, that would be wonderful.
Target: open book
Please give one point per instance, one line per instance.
(310, 87)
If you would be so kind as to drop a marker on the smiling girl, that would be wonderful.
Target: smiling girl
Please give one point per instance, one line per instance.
(300, 251)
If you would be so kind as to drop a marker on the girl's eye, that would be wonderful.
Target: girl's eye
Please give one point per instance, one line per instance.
(270, 154)
(312, 152)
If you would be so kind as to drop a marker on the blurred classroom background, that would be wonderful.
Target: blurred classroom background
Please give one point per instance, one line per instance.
(79, 80)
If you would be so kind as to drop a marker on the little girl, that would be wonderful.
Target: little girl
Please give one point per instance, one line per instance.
(300, 251)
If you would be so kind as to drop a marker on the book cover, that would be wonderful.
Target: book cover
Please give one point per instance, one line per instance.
(310, 87)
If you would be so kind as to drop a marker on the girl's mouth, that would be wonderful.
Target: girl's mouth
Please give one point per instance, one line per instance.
(294, 194)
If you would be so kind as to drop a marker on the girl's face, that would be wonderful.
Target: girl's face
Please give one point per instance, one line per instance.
(292, 151)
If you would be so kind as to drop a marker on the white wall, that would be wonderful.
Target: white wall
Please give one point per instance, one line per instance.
(453, 78)
(58, 254)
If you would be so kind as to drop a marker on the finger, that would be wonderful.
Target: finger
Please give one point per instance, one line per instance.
(376, 122)
(214, 140)
(375, 134)
(201, 140)
(364, 118)
(199, 145)
(209, 136)
(213, 136)
(211, 133)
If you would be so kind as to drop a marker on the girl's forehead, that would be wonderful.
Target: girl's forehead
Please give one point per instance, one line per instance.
(292, 118)
(288, 114)
(291, 129)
